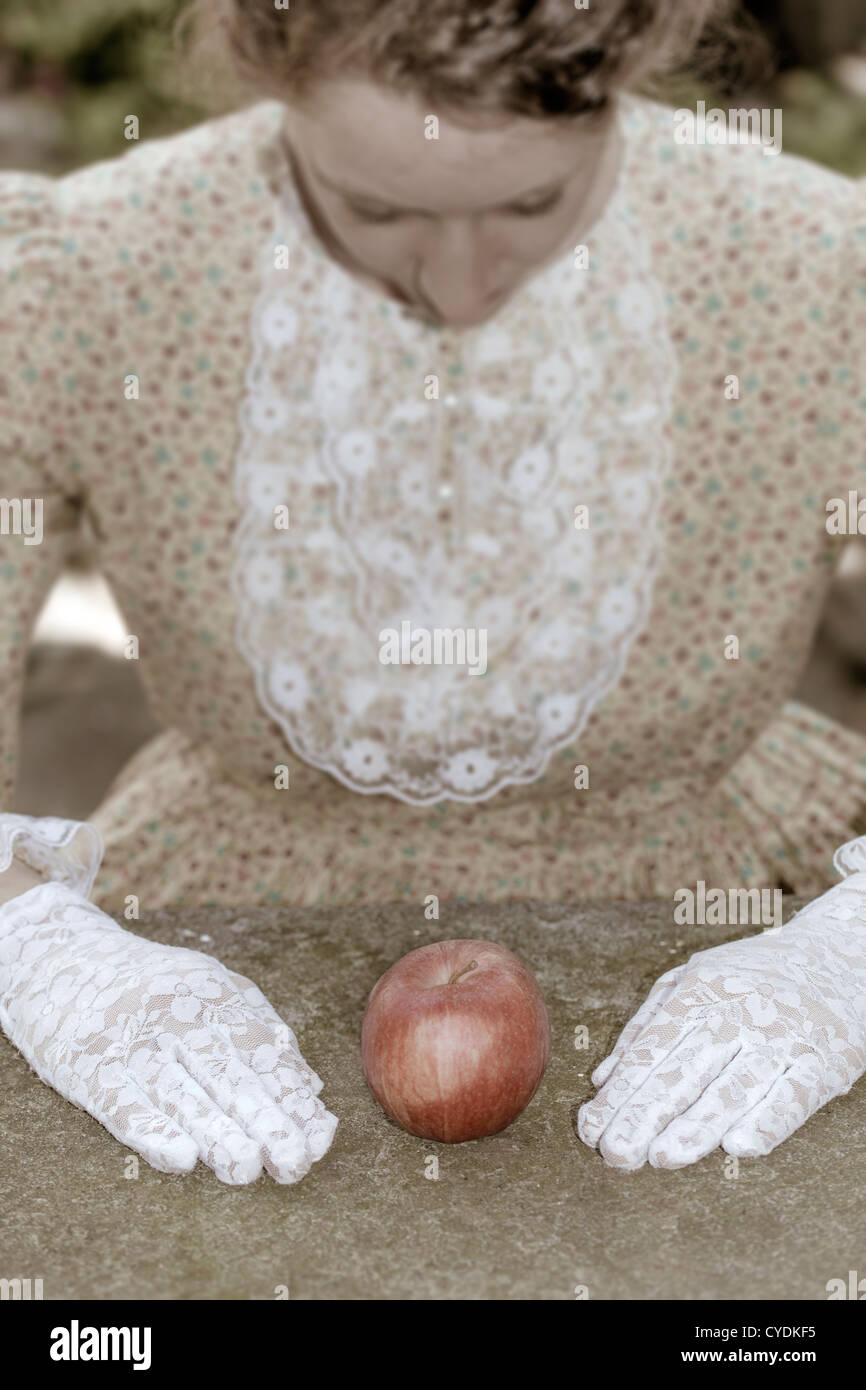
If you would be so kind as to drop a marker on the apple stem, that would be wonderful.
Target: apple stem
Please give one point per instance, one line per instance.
(458, 975)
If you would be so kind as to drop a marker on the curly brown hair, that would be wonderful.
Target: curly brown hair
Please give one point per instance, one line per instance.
(535, 58)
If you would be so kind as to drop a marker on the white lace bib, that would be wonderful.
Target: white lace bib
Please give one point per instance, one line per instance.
(451, 513)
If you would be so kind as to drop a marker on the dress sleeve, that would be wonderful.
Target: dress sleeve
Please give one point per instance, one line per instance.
(39, 510)
(854, 306)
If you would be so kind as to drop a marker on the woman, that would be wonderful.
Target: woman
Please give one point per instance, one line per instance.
(459, 442)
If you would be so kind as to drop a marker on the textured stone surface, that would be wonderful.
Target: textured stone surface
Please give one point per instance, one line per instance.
(529, 1213)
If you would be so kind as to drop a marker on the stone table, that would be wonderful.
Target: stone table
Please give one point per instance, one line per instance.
(529, 1213)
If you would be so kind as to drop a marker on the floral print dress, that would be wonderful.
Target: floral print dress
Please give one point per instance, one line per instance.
(621, 481)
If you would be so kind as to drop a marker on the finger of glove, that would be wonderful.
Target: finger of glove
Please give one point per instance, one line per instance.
(647, 1050)
(804, 1086)
(258, 1025)
(279, 1130)
(287, 1084)
(221, 1142)
(126, 1110)
(132, 1117)
(267, 1044)
(658, 995)
(744, 1082)
(678, 1080)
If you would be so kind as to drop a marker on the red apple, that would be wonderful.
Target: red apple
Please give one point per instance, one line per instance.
(455, 1040)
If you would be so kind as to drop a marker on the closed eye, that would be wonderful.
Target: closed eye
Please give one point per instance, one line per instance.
(537, 209)
(386, 215)
(374, 214)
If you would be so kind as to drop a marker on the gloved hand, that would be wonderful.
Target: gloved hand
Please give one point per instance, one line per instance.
(744, 1042)
(178, 1057)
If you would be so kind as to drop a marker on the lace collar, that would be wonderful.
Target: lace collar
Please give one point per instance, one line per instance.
(504, 481)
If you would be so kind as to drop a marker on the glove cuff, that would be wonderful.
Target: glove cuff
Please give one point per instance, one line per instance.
(850, 858)
(63, 851)
(34, 908)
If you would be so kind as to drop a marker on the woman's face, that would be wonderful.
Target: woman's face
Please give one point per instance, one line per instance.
(450, 226)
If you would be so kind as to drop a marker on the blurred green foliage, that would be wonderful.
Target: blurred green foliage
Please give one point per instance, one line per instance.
(93, 62)
(822, 120)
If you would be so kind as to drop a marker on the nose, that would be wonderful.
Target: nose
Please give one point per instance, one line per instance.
(455, 276)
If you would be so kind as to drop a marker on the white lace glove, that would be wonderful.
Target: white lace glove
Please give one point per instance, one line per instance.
(744, 1042)
(178, 1057)
(62, 851)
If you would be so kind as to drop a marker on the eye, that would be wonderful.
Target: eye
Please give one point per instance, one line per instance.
(378, 215)
(539, 207)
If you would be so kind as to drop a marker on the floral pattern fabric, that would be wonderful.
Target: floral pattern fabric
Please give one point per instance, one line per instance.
(722, 266)
(572, 418)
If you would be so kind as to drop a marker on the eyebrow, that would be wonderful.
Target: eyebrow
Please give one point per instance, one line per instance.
(360, 197)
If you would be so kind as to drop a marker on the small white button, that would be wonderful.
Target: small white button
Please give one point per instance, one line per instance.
(451, 401)
(446, 490)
